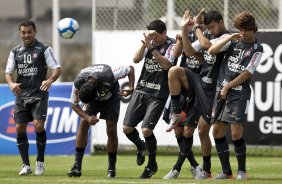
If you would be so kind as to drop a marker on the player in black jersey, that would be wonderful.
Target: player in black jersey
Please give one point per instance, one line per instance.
(31, 61)
(233, 91)
(97, 87)
(202, 86)
(148, 100)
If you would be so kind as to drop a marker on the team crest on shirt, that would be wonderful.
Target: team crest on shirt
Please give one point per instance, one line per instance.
(248, 52)
(34, 55)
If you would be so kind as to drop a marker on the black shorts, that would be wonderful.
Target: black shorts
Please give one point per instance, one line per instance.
(108, 109)
(202, 103)
(232, 110)
(28, 109)
(146, 108)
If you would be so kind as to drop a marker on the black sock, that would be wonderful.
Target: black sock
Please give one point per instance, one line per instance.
(175, 104)
(240, 151)
(191, 158)
(79, 156)
(222, 149)
(134, 137)
(151, 146)
(41, 144)
(112, 159)
(23, 146)
(179, 140)
(184, 149)
(207, 164)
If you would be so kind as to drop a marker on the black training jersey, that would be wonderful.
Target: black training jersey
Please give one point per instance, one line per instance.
(190, 62)
(241, 56)
(31, 64)
(211, 66)
(106, 78)
(153, 79)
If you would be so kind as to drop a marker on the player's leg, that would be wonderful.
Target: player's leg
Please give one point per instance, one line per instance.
(240, 149)
(112, 147)
(134, 114)
(81, 143)
(204, 129)
(222, 149)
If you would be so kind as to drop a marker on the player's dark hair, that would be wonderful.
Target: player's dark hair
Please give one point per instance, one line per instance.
(87, 92)
(212, 15)
(27, 23)
(246, 21)
(157, 25)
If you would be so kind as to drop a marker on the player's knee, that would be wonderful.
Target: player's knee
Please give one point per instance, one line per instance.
(236, 135)
(127, 130)
(173, 71)
(188, 132)
(147, 132)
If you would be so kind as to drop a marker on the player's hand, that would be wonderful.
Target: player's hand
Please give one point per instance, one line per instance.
(125, 92)
(178, 37)
(198, 18)
(148, 37)
(15, 88)
(187, 20)
(92, 120)
(45, 86)
(224, 92)
(235, 36)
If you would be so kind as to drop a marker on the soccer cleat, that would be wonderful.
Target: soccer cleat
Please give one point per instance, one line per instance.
(241, 175)
(111, 173)
(195, 171)
(140, 159)
(25, 170)
(39, 169)
(173, 174)
(223, 176)
(203, 175)
(175, 120)
(75, 171)
(149, 171)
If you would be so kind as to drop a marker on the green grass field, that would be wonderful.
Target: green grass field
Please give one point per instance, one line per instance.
(260, 170)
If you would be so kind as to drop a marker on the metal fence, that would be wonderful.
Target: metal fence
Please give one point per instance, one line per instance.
(135, 14)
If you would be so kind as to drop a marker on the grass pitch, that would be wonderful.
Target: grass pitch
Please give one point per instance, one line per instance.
(260, 170)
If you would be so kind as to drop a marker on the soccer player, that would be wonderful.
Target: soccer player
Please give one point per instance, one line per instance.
(31, 60)
(233, 91)
(148, 100)
(201, 87)
(97, 87)
(187, 102)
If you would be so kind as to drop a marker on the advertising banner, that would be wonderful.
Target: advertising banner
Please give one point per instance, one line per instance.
(61, 125)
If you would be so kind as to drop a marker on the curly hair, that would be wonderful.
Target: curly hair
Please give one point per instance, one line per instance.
(87, 92)
(246, 21)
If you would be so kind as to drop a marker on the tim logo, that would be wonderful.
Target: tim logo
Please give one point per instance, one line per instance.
(61, 124)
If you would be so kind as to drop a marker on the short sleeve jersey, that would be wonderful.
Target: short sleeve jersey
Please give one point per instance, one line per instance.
(154, 79)
(31, 64)
(241, 56)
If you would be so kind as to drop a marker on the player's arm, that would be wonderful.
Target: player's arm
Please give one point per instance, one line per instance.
(222, 43)
(139, 54)
(178, 47)
(54, 65)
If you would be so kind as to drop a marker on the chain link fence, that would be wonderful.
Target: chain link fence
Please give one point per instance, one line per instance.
(136, 14)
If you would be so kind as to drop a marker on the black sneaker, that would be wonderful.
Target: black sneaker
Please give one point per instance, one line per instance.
(140, 159)
(111, 173)
(149, 171)
(75, 171)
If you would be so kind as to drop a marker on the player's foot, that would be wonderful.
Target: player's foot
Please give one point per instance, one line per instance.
(140, 159)
(149, 171)
(175, 120)
(195, 171)
(173, 174)
(203, 175)
(75, 171)
(223, 176)
(39, 169)
(25, 170)
(111, 173)
(241, 175)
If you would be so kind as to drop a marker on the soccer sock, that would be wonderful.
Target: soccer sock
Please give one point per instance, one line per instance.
(175, 104)
(191, 158)
(23, 146)
(134, 137)
(240, 151)
(112, 159)
(179, 140)
(222, 149)
(151, 146)
(41, 144)
(207, 164)
(184, 149)
(79, 156)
